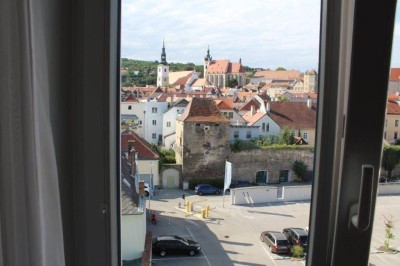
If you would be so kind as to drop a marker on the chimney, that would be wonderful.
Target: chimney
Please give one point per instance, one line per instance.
(237, 122)
(309, 103)
(252, 111)
(268, 107)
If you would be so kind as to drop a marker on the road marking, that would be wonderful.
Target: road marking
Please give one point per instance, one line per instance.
(266, 251)
(202, 251)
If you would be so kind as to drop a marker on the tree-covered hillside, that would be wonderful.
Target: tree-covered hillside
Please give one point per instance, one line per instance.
(141, 73)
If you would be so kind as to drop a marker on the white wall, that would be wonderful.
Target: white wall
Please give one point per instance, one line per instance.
(274, 128)
(148, 167)
(251, 195)
(170, 116)
(294, 193)
(149, 116)
(242, 132)
(133, 234)
(263, 194)
(136, 109)
(388, 188)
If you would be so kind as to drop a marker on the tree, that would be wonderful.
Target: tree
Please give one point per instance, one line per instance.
(286, 137)
(390, 158)
(300, 169)
(280, 68)
(232, 83)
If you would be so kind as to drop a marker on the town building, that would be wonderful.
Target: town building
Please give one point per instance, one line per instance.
(392, 122)
(202, 140)
(169, 122)
(220, 72)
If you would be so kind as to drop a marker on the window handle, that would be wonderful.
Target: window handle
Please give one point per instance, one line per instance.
(360, 213)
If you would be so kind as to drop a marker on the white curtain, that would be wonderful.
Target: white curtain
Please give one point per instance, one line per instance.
(30, 213)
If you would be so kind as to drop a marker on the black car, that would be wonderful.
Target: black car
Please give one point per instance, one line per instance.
(276, 241)
(297, 236)
(164, 245)
(202, 189)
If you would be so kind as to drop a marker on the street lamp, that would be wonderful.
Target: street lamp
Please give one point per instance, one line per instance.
(151, 184)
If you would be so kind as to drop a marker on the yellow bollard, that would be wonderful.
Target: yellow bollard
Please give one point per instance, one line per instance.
(202, 213)
(207, 210)
(187, 206)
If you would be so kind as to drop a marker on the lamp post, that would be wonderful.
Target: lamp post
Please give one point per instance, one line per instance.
(151, 184)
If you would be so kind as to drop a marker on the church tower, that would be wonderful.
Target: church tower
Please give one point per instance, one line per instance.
(207, 61)
(163, 70)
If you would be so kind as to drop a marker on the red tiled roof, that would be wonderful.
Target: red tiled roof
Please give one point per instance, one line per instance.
(247, 106)
(141, 146)
(395, 74)
(236, 68)
(293, 114)
(218, 67)
(224, 103)
(202, 110)
(279, 74)
(251, 119)
(130, 99)
(392, 107)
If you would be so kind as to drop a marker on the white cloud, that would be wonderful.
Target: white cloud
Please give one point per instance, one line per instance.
(264, 33)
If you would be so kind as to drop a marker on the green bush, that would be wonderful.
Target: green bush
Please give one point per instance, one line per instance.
(219, 183)
(297, 251)
(242, 145)
(300, 169)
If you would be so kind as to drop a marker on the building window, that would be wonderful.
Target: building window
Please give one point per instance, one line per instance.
(165, 70)
(129, 107)
(386, 123)
(140, 122)
(230, 115)
(168, 124)
(263, 127)
(384, 135)
(165, 79)
(154, 110)
(395, 135)
(235, 134)
(305, 135)
(154, 135)
(248, 135)
(154, 122)
(396, 123)
(159, 70)
(267, 127)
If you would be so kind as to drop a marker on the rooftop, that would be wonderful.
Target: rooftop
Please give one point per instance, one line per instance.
(202, 110)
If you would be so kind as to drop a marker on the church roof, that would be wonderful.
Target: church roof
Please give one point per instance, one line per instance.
(224, 67)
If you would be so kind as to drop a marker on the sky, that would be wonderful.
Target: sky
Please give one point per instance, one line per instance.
(263, 33)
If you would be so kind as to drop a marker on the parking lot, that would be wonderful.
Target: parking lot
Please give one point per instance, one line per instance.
(230, 236)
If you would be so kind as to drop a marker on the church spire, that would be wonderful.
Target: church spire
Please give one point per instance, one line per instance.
(163, 55)
(208, 56)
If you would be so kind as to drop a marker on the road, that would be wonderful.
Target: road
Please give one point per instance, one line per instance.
(230, 236)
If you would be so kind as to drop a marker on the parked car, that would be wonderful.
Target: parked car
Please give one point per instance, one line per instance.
(147, 190)
(297, 236)
(276, 241)
(164, 245)
(202, 189)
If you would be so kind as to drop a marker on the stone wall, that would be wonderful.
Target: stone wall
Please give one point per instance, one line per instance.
(245, 164)
(205, 149)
